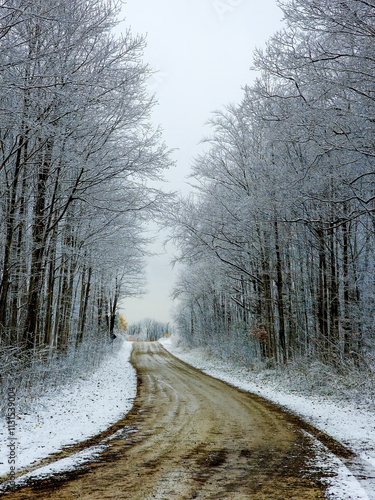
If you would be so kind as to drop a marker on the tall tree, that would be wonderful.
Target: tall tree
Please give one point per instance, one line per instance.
(76, 151)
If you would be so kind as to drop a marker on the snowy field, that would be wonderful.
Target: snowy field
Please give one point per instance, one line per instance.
(90, 406)
(351, 425)
(78, 412)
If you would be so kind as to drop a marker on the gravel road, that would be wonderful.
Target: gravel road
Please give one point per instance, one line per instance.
(192, 436)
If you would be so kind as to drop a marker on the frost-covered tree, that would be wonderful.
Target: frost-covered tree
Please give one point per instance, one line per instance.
(286, 189)
(76, 152)
(148, 330)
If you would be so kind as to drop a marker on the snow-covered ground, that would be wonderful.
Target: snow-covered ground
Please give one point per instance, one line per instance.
(351, 425)
(91, 405)
(74, 414)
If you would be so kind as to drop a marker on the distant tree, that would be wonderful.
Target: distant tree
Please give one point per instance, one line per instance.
(123, 324)
(148, 329)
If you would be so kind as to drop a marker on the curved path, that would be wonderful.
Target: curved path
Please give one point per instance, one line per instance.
(192, 436)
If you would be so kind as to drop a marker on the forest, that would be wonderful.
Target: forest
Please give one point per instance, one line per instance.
(77, 154)
(262, 386)
(277, 240)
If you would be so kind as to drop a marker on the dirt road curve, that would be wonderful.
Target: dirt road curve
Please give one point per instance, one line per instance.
(193, 437)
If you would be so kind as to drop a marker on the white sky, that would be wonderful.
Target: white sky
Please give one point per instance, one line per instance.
(202, 50)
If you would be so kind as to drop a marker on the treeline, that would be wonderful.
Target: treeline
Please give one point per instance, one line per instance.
(278, 242)
(76, 150)
(148, 329)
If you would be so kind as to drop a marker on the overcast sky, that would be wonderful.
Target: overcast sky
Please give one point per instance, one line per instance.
(202, 50)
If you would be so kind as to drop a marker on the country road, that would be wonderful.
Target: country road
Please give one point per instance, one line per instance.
(191, 436)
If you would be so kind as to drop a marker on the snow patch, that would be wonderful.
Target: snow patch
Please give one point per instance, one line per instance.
(64, 465)
(76, 413)
(342, 483)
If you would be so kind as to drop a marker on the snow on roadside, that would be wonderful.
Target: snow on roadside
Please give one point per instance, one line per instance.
(351, 425)
(78, 412)
(93, 404)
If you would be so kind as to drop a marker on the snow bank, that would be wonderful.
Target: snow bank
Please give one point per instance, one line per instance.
(351, 425)
(78, 412)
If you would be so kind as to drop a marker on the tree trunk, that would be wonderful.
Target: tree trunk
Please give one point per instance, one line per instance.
(10, 216)
(38, 249)
(280, 301)
(333, 302)
(85, 293)
(322, 295)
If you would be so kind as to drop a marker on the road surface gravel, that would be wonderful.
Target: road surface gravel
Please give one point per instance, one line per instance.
(191, 436)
